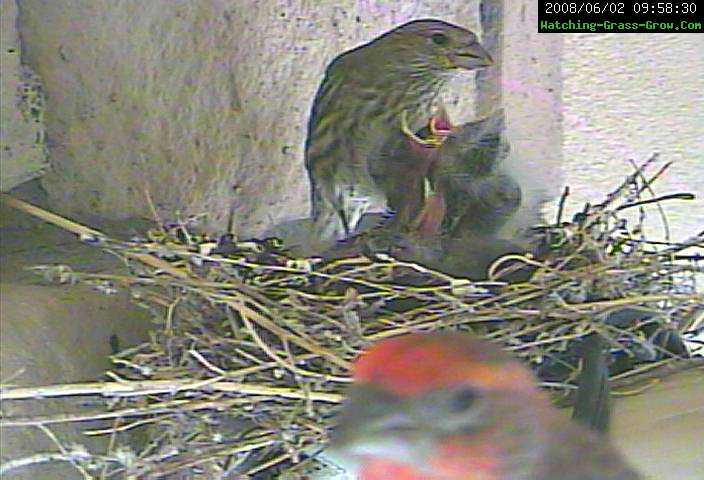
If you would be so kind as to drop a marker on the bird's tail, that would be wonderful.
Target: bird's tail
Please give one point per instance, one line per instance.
(591, 406)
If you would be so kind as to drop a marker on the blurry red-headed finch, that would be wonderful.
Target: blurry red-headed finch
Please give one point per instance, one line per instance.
(450, 406)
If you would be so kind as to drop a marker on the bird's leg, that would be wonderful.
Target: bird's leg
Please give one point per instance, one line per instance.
(343, 220)
(357, 207)
(349, 207)
(327, 225)
(329, 221)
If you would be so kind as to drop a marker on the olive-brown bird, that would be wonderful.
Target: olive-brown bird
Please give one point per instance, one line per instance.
(448, 406)
(358, 109)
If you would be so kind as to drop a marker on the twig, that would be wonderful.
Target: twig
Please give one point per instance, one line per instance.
(85, 233)
(152, 387)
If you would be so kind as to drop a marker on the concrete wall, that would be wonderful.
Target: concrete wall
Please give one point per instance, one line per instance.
(627, 96)
(531, 92)
(203, 104)
(22, 155)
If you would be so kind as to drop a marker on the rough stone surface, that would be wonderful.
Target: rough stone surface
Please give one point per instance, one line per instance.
(625, 98)
(202, 104)
(531, 95)
(22, 154)
(527, 86)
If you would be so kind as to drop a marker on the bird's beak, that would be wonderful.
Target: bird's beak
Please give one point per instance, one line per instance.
(472, 57)
(362, 431)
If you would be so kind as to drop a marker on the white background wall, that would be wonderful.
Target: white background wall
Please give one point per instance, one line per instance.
(626, 96)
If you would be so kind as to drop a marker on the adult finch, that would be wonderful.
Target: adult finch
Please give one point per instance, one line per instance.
(358, 107)
(449, 406)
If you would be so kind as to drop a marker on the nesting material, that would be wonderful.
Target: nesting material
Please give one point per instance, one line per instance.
(251, 349)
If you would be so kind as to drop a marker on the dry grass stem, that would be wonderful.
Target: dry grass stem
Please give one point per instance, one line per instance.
(244, 373)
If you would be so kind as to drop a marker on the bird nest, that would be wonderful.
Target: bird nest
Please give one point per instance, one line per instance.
(247, 367)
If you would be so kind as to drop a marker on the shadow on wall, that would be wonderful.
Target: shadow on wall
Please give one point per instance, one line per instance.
(55, 334)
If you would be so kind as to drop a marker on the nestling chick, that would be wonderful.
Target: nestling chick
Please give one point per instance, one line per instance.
(479, 195)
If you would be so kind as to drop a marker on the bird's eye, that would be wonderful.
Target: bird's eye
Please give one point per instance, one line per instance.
(440, 39)
(463, 400)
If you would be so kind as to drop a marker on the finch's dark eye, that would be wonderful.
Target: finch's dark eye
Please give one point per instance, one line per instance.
(440, 39)
(463, 400)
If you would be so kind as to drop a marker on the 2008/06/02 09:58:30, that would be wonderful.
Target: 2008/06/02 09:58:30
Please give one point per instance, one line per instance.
(616, 8)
